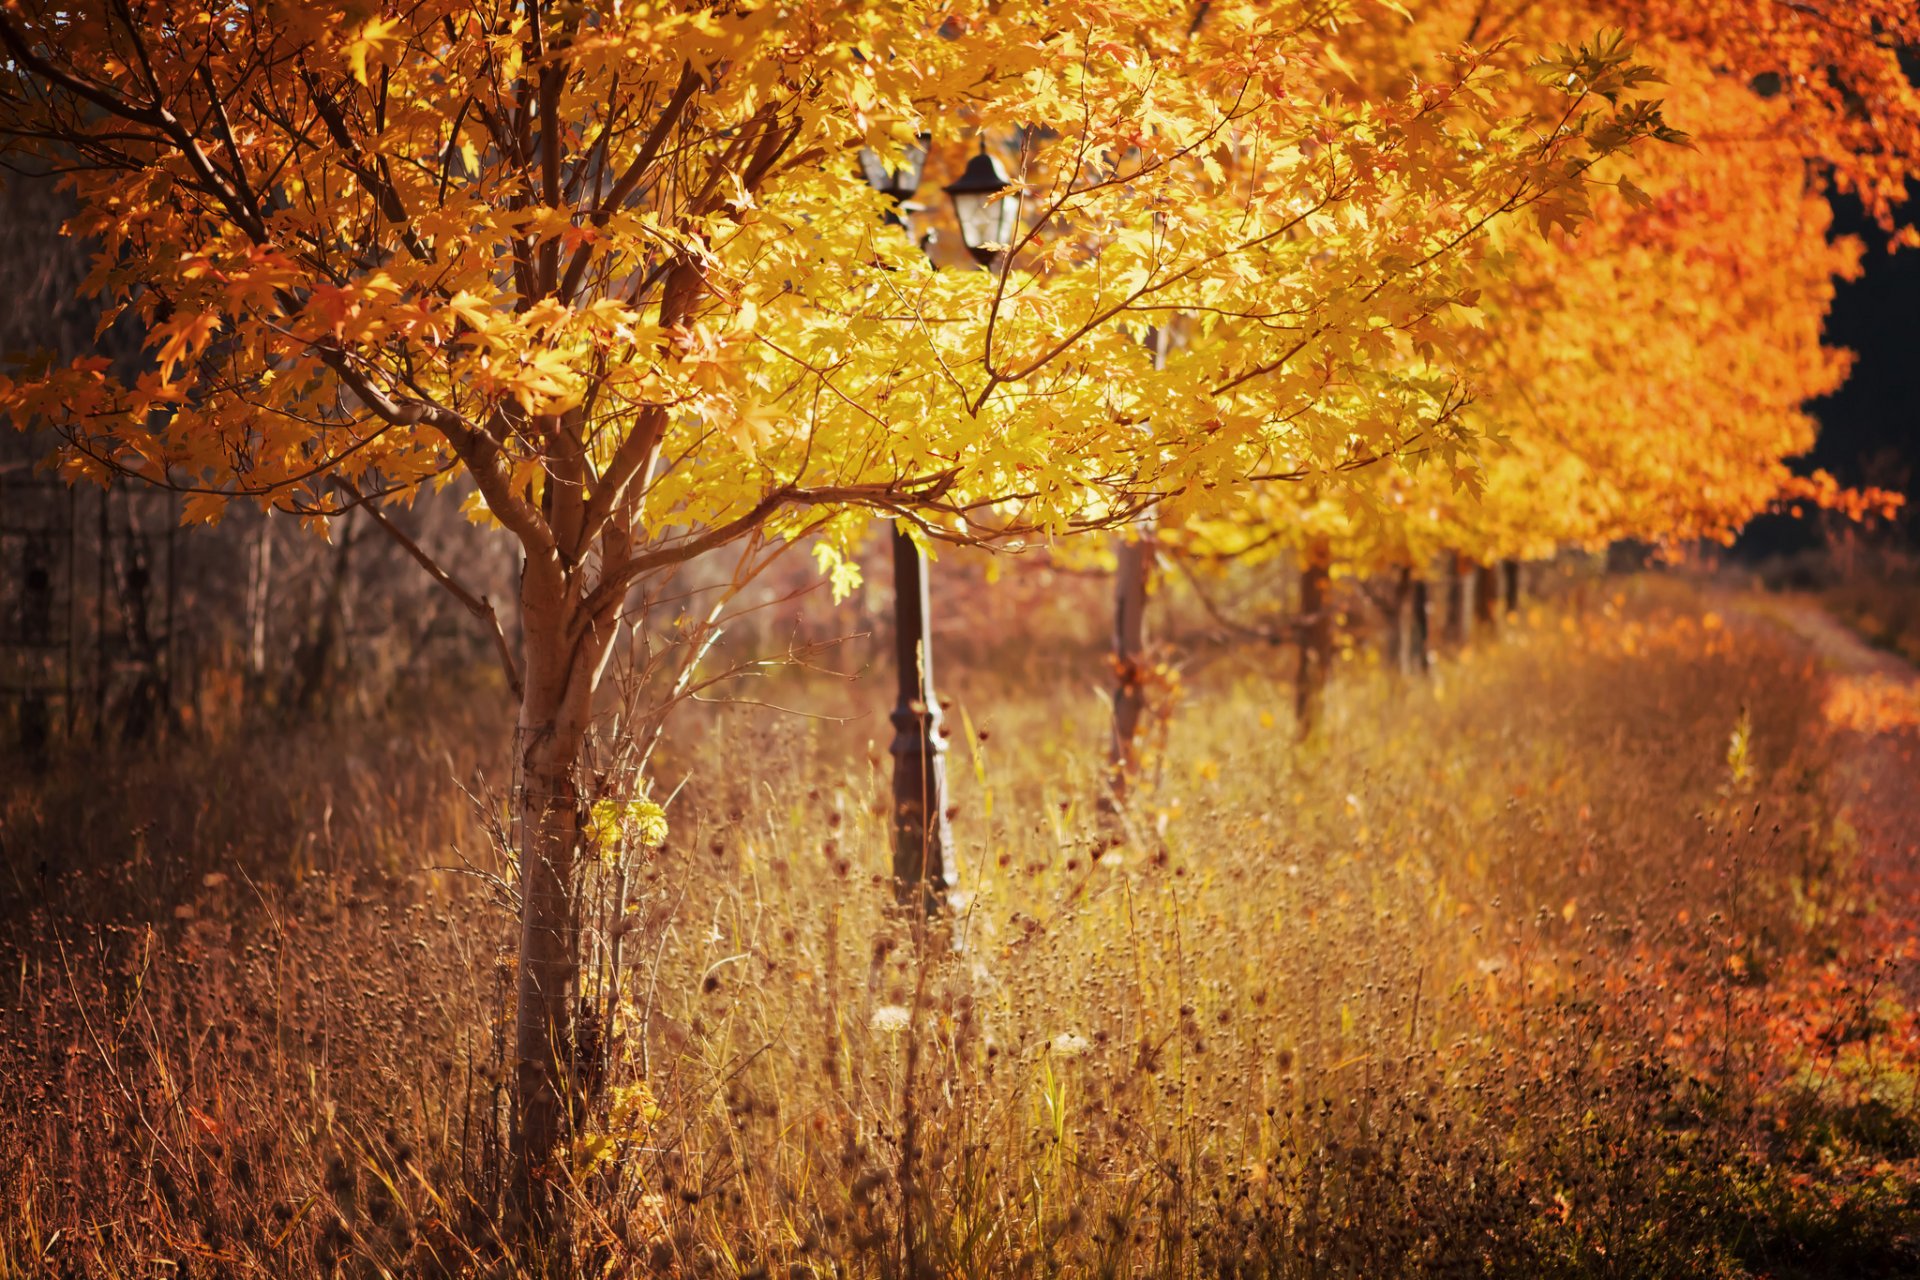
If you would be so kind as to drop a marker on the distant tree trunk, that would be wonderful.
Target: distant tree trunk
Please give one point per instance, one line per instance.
(1421, 613)
(100, 644)
(1510, 573)
(36, 628)
(141, 709)
(259, 588)
(1486, 596)
(1459, 619)
(1316, 636)
(1133, 574)
(923, 871)
(1411, 623)
(318, 656)
(1130, 580)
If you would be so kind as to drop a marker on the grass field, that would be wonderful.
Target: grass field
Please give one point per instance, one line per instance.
(1571, 960)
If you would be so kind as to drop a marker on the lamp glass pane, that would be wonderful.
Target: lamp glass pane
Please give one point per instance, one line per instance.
(979, 221)
(913, 163)
(1005, 213)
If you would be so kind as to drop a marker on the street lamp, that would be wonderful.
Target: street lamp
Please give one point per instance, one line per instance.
(987, 225)
(922, 837)
(922, 875)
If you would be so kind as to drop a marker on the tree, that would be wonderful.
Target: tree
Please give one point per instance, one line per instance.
(1643, 373)
(613, 264)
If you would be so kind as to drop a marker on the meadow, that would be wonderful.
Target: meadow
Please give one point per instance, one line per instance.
(1589, 955)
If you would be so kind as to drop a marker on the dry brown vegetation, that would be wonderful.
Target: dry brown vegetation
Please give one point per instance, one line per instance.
(1564, 963)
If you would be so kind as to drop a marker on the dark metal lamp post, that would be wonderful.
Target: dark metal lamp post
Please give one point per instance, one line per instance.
(922, 874)
(922, 837)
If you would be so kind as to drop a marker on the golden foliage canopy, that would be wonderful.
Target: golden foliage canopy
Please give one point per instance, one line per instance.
(613, 262)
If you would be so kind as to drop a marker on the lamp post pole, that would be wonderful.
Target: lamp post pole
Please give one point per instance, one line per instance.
(922, 872)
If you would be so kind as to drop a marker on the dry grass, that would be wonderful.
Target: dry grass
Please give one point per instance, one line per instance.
(1560, 965)
(1885, 612)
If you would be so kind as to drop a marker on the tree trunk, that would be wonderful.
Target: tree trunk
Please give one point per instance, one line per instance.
(1411, 623)
(1421, 640)
(259, 587)
(1486, 596)
(1459, 621)
(1135, 566)
(1510, 572)
(1316, 636)
(317, 658)
(1132, 575)
(555, 714)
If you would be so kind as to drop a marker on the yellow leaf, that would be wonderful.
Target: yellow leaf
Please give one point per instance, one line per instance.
(372, 35)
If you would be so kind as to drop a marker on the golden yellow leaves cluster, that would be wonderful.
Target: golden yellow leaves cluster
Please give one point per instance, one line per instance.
(534, 242)
(614, 263)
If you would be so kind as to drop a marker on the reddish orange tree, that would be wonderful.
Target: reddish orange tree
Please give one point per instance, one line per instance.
(1643, 373)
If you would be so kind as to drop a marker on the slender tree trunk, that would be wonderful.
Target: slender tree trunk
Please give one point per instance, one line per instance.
(1316, 636)
(170, 662)
(100, 604)
(1486, 596)
(555, 715)
(318, 656)
(1133, 573)
(1510, 573)
(1411, 623)
(923, 873)
(1135, 557)
(1459, 621)
(259, 586)
(1420, 644)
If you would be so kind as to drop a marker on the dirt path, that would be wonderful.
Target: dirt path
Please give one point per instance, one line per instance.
(1873, 709)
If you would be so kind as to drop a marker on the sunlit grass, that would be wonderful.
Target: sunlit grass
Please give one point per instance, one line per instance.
(1556, 964)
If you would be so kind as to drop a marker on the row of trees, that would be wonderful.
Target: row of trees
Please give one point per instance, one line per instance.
(1450, 277)
(1645, 379)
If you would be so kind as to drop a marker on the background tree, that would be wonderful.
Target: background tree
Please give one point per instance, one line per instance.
(1644, 373)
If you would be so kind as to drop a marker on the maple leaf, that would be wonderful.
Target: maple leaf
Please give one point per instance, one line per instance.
(375, 35)
(182, 339)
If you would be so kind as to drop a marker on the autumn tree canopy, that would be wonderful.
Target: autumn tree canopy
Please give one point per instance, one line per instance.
(614, 264)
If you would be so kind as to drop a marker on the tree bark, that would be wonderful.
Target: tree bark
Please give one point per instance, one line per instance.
(317, 658)
(1134, 567)
(1316, 636)
(1419, 612)
(1459, 619)
(259, 587)
(1133, 573)
(1411, 623)
(555, 715)
(1486, 596)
